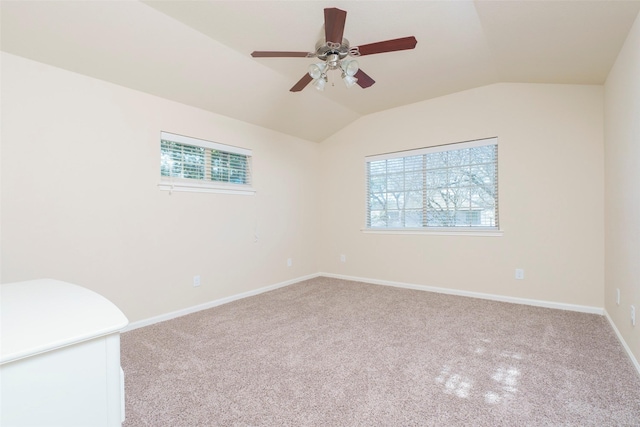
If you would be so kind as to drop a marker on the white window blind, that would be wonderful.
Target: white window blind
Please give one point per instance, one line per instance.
(452, 187)
(191, 164)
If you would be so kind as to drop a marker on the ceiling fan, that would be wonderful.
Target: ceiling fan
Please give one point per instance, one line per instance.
(334, 50)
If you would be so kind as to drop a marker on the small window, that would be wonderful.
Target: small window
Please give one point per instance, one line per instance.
(191, 164)
(449, 187)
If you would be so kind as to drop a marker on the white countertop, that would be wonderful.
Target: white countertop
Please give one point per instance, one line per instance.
(41, 315)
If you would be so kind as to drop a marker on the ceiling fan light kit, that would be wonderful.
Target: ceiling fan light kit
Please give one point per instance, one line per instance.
(349, 68)
(334, 50)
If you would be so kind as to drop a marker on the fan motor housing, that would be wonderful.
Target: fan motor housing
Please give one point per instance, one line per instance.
(332, 53)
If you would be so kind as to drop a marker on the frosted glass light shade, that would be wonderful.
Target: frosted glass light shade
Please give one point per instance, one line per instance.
(317, 70)
(349, 80)
(350, 68)
(319, 84)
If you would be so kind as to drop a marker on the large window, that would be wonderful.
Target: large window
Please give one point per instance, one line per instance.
(191, 164)
(449, 187)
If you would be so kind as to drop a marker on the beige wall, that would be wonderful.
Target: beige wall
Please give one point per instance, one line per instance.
(622, 183)
(80, 202)
(551, 194)
(75, 208)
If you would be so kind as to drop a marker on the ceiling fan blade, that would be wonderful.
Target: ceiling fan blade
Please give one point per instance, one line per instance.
(270, 54)
(388, 46)
(363, 79)
(302, 83)
(334, 20)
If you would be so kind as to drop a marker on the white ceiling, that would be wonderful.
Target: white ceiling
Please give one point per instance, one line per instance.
(198, 52)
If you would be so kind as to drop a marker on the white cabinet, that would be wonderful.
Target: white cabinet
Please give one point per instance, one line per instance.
(60, 356)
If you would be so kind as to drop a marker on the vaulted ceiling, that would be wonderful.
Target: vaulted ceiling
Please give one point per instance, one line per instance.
(198, 52)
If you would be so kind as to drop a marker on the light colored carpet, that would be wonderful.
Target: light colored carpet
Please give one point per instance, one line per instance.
(328, 352)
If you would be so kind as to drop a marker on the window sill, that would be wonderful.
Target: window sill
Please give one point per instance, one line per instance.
(484, 232)
(206, 188)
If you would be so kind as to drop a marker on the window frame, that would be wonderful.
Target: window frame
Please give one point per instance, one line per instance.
(168, 183)
(452, 230)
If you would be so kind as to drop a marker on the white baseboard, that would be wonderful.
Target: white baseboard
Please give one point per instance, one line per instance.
(623, 342)
(515, 300)
(502, 298)
(214, 303)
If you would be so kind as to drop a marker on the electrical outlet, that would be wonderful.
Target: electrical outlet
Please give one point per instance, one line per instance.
(196, 281)
(633, 316)
(289, 262)
(617, 296)
(519, 274)
(343, 258)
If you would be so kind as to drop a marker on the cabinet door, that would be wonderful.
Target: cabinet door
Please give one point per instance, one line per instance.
(66, 387)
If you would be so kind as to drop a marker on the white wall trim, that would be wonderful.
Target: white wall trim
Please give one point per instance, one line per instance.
(479, 232)
(207, 187)
(214, 303)
(623, 342)
(502, 298)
